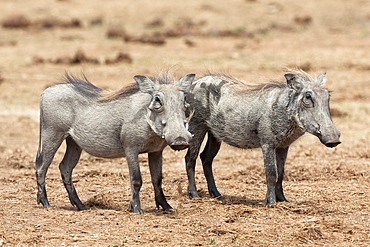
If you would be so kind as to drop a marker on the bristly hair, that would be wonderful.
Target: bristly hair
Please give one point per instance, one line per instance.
(304, 75)
(83, 85)
(123, 92)
(165, 77)
(259, 88)
(248, 87)
(161, 78)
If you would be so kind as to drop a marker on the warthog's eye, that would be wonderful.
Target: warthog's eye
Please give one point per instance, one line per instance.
(186, 104)
(156, 103)
(307, 100)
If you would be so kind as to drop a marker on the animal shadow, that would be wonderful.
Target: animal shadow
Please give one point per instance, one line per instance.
(232, 200)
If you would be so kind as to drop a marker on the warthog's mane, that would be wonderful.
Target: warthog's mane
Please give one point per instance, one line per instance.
(162, 78)
(85, 87)
(241, 86)
(82, 85)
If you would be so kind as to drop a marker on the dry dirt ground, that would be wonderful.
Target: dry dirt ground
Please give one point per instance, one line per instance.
(111, 41)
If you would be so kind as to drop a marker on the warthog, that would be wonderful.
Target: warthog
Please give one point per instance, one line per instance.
(271, 116)
(142, 118)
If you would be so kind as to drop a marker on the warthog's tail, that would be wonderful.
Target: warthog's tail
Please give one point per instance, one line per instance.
(38, 155)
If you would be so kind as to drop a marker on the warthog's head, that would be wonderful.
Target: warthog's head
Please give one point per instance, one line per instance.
(312, 102)
(166, 111)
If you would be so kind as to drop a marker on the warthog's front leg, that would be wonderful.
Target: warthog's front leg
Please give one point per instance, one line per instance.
(281, 154)
(135, 180)
(155, 166)
(190, 160)
(271, 171)
(209, 153)
(199, 130)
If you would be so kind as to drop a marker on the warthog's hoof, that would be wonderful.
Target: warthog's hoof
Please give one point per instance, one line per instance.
(269, 202)
(82, 208)
(136, 209)
(193, 194)
(220, 198)
(169, 211)
(44, 202)
(164, 205)
(283, 199)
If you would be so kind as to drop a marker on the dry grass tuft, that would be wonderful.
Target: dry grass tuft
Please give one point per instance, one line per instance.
(16, 21)
(303, 20)
(116, 32)
(102, 201)
(52, 22)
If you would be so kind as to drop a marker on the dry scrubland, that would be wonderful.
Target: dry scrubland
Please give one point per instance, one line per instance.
(111, 41)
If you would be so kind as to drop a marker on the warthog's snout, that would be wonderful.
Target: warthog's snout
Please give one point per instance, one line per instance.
(180, 143)
(332, 144)
(333, 140)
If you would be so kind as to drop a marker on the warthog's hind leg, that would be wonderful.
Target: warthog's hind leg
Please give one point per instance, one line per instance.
(69, 162)
(49, 144)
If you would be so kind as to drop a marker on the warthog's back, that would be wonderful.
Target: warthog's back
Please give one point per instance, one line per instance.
(60, 103)
(236, 113)
(93, 124)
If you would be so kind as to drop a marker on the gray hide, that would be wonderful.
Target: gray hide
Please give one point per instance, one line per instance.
(270, 116)
(141, 119)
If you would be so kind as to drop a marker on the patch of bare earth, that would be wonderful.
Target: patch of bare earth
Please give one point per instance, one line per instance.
(112, 41)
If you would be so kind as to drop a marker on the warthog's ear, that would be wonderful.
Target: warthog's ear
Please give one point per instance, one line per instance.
(145, 84)
(321, 79)
(294, 81)
(185, 82)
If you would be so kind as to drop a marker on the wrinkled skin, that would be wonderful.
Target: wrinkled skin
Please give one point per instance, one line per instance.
(145, 120)
(270, 118)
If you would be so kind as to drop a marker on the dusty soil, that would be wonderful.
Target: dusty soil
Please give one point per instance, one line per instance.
(110, 42)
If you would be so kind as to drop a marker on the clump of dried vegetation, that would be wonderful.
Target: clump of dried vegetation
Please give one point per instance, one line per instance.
(80, 57)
